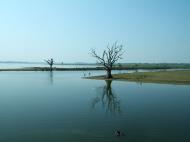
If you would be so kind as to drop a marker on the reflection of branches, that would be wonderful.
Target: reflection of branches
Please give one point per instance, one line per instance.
(108, 99)
(51, 77)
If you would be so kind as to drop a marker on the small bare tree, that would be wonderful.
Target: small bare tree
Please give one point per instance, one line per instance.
(50, 62)
(109, 57)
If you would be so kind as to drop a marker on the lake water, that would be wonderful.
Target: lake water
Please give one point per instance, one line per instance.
(61, 106)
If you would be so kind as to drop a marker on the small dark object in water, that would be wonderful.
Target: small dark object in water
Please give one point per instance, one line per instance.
(119, 133)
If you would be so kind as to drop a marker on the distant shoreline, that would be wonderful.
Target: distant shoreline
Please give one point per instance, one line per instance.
(90, 66)
(86, 68)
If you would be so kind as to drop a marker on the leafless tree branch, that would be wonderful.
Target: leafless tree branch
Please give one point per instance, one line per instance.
(109, 56)
(50, 62)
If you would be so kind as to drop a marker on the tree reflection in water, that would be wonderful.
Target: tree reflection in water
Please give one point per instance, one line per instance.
(107, 97)
(51, 77)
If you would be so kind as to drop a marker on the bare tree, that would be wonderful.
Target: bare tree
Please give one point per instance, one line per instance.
(50, 62)
(110, 55)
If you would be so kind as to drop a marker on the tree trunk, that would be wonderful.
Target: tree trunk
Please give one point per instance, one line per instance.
(109, 73)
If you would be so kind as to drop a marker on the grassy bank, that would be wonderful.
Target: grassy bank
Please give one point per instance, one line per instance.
(168, 77)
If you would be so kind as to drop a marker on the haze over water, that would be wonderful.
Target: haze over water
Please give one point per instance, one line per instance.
(66, 30)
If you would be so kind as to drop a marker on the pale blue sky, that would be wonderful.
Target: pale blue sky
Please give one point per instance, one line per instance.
(151, 30)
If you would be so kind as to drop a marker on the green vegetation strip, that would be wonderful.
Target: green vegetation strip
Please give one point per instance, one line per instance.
(168, 77)
(123, 66)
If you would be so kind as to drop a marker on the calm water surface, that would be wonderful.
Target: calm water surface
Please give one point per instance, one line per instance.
(61, 106)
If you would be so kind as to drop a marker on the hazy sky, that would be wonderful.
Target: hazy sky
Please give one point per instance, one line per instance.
(151, 30)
